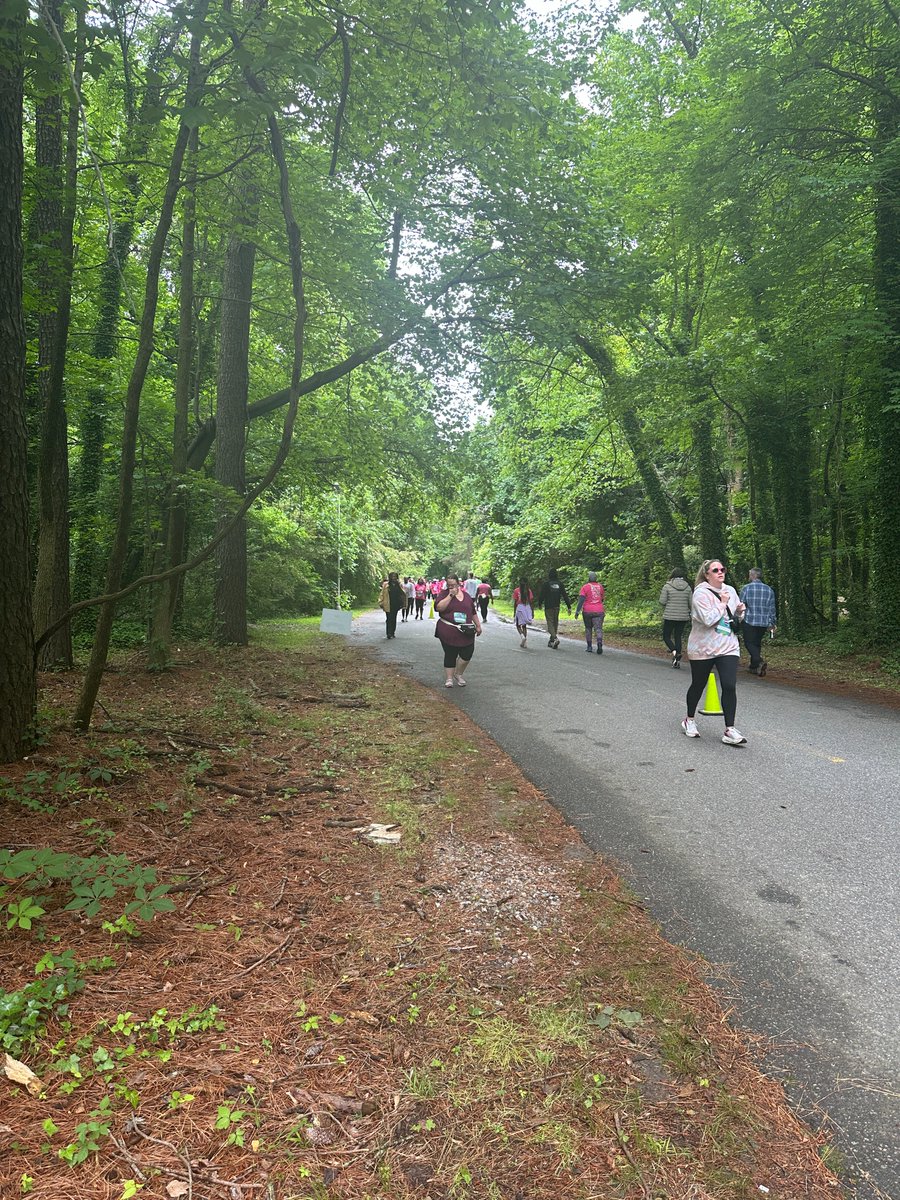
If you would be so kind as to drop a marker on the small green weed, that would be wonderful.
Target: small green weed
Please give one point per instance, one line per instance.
(229, 1118)
(89, 1134)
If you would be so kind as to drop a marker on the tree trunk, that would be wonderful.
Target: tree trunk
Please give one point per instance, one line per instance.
(17, 683)
(886, 518)
(88, 522)
(54, 219)
(646, 468)
(167, 595)
(119, 548)
(231, 422)
(92, 431)
(710, 523)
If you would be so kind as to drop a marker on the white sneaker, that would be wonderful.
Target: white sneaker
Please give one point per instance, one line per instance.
(733, 737)
(689, 725)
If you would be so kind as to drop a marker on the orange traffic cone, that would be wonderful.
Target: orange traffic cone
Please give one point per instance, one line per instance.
(712, 705)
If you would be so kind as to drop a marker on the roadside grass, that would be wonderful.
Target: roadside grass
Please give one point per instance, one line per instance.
(475, 1012)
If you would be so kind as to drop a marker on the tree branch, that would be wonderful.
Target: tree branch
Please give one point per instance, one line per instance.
(342, 102)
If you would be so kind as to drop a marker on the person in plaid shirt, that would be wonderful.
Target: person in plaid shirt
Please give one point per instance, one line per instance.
(759, 617)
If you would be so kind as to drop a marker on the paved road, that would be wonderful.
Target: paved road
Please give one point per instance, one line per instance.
(779, 859)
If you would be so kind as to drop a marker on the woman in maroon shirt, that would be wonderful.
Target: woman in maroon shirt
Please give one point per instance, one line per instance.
(457, 627)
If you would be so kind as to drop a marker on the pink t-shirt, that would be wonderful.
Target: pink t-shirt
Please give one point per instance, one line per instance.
(484, 589)
(593, 597)
(420, 591)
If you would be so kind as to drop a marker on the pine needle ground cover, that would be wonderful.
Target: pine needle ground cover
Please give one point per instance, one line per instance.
(257, 999)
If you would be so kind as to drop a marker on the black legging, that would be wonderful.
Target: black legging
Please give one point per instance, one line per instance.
(420, 606)
(483, 605)
(727, 667)
(673, 632)
(391, 621)
(451, 653)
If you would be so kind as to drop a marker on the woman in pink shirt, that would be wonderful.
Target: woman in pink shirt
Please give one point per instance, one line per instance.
(591, 605)
(523, 603)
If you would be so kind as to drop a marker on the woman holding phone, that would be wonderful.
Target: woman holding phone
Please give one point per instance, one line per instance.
(715, 610)
(457, 626)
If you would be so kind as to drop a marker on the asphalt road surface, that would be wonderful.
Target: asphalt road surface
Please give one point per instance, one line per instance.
(778, 861)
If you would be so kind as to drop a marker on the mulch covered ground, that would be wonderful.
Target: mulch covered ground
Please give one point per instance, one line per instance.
(479, 1009)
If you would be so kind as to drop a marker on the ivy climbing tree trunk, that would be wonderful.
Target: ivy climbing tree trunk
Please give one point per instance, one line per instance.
(17, 684)
(637, 444)
(710, 521)
(886, 418)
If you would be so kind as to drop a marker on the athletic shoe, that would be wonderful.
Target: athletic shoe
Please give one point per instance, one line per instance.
(689, 725)
(733, 737)
(556, 644)
(449, 683)
(550, 643)
(599, 649)
(590, 649)
(460, 682)
(763, 667)
(522, 643)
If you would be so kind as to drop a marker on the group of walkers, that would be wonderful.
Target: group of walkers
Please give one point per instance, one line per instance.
(713, 609)
(407, 598)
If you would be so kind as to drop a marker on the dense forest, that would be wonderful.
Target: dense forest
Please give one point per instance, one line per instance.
(446, 284)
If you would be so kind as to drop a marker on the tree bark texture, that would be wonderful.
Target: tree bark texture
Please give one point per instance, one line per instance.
(54, 219)
(17, 681)
(167, 594)
(886, 418)
(710, 522)
(232, 386)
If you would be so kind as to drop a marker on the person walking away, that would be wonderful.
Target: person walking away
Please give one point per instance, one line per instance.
(523, 604)
(392, 600)
(591, 607)
(484, 596)
(759, 618)
(457, 627)
(715, 609)
(420, 593)
(408, 593)
(552, 594)
(471, 585)
(675, 599)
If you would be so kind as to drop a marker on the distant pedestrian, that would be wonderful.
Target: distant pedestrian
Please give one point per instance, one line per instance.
(421, 592)
(552, 594)
(716, 608)
(409, 589)
(592, 608)
(471, 585)
(457, 627)
(760, 618)
(484, 596)
(675, 599)
(392, 600)
(523, 603)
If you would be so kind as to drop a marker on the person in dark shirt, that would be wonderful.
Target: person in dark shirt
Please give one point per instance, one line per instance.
(553, 593)
(456, 628)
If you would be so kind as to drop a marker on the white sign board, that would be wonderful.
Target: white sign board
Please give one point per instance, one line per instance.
(335, 620)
